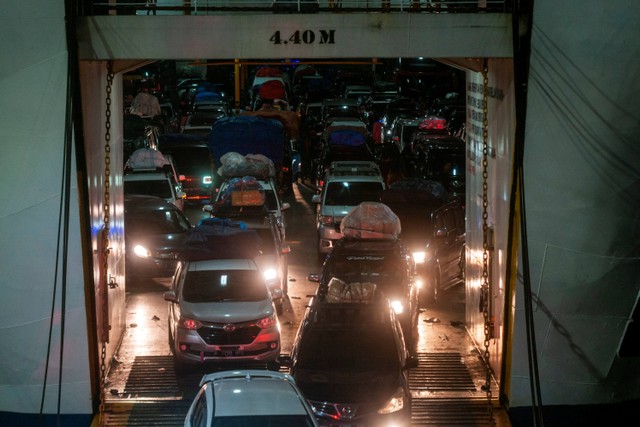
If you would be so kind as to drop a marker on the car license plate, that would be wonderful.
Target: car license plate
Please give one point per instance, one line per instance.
(231, 351)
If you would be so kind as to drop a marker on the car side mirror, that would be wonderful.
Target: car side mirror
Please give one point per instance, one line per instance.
(207, 208)
(285, 360)
(315, 198)
(440, 232)
(170, 296)
(285, 206)
(411, 362)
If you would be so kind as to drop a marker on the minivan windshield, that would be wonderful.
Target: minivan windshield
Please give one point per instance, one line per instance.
(224, 285)
(363, 348)
(351, 193)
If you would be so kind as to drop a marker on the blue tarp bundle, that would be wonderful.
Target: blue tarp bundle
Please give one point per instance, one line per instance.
(247, 135)
(218, 238)
(347, 137)
(208, 96)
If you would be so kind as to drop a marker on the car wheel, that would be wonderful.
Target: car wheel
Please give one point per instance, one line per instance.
(179, 367)
(285, 281)
(433, 286)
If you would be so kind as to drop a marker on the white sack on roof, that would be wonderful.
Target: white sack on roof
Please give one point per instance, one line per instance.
(145, 105)
(146, 158)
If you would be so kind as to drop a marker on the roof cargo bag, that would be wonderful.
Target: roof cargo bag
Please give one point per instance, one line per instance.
(216, 238)
(347, 137)
(371, 220)
(339, 291)
(268, 72)
(247, 135)
(146, 158)
(272, 89)
(245, 191)
(256, 165)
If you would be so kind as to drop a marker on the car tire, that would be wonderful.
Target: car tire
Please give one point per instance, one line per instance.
(178, 367)
(433, 287)
(285, 281)
(273, 366)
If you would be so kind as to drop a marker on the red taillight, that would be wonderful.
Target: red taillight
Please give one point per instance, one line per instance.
(433, 123)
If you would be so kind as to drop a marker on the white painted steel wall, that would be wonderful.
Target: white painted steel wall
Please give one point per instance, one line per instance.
(33, 73)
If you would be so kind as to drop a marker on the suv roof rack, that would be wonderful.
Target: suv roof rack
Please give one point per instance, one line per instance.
(354, 167)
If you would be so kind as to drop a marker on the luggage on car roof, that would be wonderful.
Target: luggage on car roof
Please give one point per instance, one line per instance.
(146, 158)
(218, 238)
(371, 220)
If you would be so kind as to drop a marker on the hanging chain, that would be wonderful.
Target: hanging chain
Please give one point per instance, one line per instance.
(485, 233)
(105, 238)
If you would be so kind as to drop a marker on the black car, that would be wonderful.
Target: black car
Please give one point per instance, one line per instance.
(434, 229)
(154, 232)
(351, 363)
(385, 262)
(190, 154)
(440, 158)
(272, 260)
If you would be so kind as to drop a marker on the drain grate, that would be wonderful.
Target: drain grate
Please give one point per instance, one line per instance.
(451, 412)
(152, 377)
(440, 372)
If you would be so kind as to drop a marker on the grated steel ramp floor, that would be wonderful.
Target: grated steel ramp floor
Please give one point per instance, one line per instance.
(441, 372)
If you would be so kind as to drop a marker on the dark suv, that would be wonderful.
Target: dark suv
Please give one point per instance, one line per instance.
(351, 363)
(191, 156)
(433, 228)
(385, 262)
(154, 232)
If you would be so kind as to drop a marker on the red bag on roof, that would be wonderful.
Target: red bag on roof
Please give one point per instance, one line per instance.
(273, 89)
(268, 72)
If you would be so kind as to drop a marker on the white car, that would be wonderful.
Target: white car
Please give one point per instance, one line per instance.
(159, 184)
(273, 202)
(346, 185)
(249, 398)
(221, 311)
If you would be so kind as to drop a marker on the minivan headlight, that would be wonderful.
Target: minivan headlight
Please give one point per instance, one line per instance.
(326, 219)
(270, 274)
(141, 251)
(397, 306)
(396, 403)
(266, 322)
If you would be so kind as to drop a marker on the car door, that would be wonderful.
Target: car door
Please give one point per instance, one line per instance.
(449, 225)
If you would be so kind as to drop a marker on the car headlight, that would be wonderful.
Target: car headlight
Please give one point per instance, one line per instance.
(419, 257)
(270, 274)
(396, 403)
(188, 323)
(397, 306)
(326, 219)
(141, 251)
(266, 322)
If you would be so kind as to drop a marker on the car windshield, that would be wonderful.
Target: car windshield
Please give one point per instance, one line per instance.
(367, 268)
(205, 118)
(352, 193)
(224, 286)
(190, 161)
(343, 348)
(268, 245)
(155, 222)
(159, 188)
(262, 421)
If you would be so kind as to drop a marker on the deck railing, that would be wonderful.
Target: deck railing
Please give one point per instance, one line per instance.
(215, 7)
